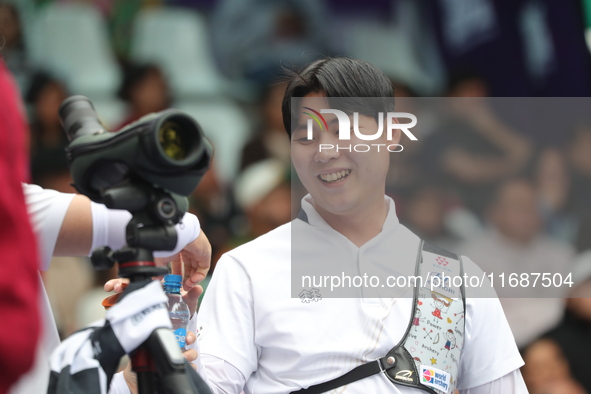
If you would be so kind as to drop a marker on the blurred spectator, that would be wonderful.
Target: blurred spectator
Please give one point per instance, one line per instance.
(552, 182)
(254, 39)
(263, 193)
(145, 90)
(579, 160)
(405, 169)
(271, 141)
(473, 149)
(424, 214)
(49, 166)
(573, 334)
(546, 371)
(514, 243)
(213, 204)
(579, 157)
(12, 44)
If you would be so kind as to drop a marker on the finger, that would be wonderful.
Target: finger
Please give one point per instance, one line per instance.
(191, 281)
(196, 276)
(197, 260)
(193, 276)
(193, 294)
(163, 261)
(110, 285)
(192, 298)
(190, 338)
(190, 355)
(116, 285)
(176, 265)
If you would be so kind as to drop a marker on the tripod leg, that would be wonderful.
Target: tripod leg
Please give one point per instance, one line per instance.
(145, 383)
(143, 365)
(174, 373)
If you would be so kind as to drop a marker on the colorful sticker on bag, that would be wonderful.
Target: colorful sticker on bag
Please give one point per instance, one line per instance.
(435, 378)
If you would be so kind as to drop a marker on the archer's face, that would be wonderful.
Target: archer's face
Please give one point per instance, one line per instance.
(339, 181)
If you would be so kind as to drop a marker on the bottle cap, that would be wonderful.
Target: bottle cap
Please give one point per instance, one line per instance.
(173, 280)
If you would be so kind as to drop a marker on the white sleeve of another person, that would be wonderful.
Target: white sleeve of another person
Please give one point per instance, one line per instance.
(490, 353)
(228, 353)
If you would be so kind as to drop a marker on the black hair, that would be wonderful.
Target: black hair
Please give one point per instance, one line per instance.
(499, 187)
(340, 77)
(17, 19)
(134, 74)
(40, 80)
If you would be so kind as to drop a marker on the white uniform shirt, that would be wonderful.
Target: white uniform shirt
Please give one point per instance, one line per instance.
(253, 334)
(47, 210)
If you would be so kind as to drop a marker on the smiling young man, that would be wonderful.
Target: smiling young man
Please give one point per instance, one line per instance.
(347, 187)
(257, 337)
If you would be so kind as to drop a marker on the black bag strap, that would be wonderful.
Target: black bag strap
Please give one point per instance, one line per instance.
(358, 373)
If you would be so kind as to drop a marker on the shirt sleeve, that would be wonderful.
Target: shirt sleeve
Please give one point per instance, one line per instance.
(47, 209)
(510, 383)
(226, 327)
(490, 352)
(221, 376)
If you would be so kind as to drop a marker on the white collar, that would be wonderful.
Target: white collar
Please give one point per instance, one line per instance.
(312, 217)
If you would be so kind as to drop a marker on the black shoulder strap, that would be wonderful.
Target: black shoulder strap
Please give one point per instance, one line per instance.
(358, 373)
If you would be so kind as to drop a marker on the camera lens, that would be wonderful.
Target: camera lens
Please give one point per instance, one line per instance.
(178, 140)
(79, 118)
(171, 140)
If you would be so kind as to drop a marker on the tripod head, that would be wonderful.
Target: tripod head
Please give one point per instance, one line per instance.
(154, 215)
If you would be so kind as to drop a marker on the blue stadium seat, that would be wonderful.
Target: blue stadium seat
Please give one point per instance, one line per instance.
(71, 40)
(176, 39)
(226, 126)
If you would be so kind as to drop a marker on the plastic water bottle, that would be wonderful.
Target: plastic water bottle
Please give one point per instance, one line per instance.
(177, 308)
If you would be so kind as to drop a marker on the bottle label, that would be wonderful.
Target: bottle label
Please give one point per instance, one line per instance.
(181, 336)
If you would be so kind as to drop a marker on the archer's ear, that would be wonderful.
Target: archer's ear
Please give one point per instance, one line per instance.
(396, 133)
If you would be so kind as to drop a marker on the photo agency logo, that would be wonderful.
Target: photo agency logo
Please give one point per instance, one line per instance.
(345, 128)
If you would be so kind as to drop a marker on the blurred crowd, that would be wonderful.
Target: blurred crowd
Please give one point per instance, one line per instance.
(508, 195)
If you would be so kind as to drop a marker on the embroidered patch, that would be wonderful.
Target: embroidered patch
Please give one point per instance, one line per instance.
(434, 378)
